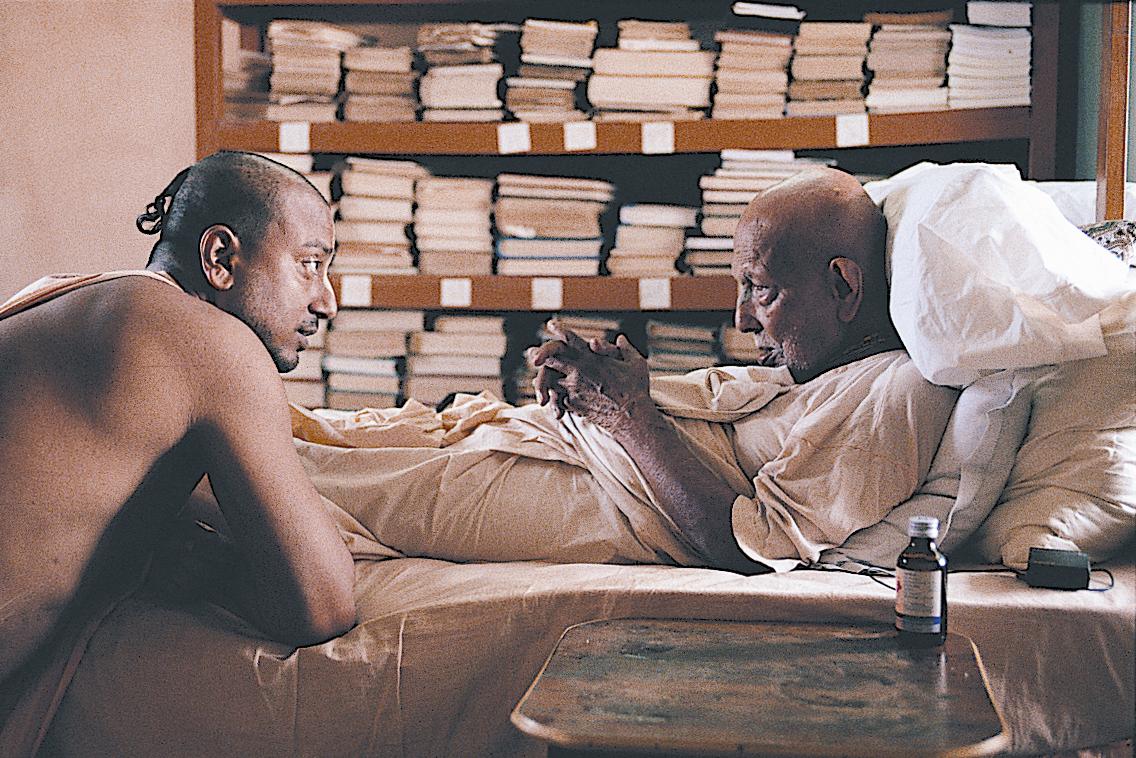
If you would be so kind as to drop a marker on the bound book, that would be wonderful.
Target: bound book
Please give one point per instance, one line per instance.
(453, 365)
(352, 365)
(379, 59)
(652, 214)
(455, 263)
(692, 92)
(363, 208)
(435, 343)
(828, 67)
(469, 324)
(339, 381)
(381, 232)
(663, 240)
(366, 344)
(698, 63)
(511, 247)
(376, 185)
(548, 266)
(380, 320)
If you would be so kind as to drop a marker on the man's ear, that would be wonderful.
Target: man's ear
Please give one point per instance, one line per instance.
(217, 248)
(846, 280)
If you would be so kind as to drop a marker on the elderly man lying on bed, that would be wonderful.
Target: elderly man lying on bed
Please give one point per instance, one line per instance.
(747, 468)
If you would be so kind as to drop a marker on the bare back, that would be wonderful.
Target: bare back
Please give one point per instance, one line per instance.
(115, 399)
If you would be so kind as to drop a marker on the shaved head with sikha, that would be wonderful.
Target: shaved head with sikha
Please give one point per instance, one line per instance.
(810, 267)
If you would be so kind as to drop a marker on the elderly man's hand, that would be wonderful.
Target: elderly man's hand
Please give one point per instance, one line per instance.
(606, 384)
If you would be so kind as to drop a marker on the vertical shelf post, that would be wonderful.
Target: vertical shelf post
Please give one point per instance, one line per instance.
(1042, 163)
(1112, 120)
(207, 74)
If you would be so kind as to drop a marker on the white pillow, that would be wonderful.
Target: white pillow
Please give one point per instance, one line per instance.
(967, 474)
(1073, 485)
(986, 274)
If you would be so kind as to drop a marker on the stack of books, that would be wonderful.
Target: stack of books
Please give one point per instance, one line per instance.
(907, 58)
(657, 71)
(725, 195)
(752, 75)
(828, 68)
(376, 204)
(677, 348)
(549, 225)
(649, 239)
(989, 65)
(463, 71)
(304, 163)
(304, 84)
(460, 354)
(379, 84)
(244, 75)
(522, 390)
(738, 348)
(363, 356)
(556, 56)
(304, 384)
(453, 226)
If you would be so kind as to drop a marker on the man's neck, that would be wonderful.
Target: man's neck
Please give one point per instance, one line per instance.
(866, 344)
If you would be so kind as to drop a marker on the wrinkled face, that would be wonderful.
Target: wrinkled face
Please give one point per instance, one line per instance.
(281, 290)
(790, 312)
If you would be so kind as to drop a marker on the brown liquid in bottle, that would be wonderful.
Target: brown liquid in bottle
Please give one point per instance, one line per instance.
(921, 587)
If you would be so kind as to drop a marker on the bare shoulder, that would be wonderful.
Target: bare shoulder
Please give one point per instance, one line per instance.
(213, 355)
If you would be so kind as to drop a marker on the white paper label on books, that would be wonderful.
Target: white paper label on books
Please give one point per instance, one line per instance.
(654, 294)
(295, 137)
(456, 293)
(580, 135)
(513, 138)
(657, 137)
(547, 293)
(355, 291)
(851, 129)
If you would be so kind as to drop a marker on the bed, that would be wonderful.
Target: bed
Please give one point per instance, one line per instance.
(444, 650)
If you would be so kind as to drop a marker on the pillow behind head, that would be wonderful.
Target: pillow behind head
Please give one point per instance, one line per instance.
(1073, 484)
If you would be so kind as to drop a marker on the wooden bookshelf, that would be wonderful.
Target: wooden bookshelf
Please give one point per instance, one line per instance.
(709, 135)
(524, 293)
(1035, 128)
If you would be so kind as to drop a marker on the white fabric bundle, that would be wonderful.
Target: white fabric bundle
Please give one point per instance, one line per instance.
(986, 274)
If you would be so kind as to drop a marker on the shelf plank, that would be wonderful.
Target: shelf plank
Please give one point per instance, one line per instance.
(514, 293)
(707, 136)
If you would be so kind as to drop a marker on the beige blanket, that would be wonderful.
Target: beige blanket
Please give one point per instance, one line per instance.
(487, 481)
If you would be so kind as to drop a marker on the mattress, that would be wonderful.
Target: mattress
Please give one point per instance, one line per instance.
(443, 652)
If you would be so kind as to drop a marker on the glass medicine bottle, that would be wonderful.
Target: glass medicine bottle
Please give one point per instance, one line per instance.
(921, 586)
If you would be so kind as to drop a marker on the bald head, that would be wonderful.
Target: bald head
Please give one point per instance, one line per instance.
(807, 220)
(809, 261)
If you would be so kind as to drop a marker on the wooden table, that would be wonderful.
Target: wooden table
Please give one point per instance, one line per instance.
(702, 688)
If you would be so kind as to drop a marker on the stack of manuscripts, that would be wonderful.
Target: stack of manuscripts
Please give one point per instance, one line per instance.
(989, 65)
(725, 195)
(304, 384)
(304, 85)
(304, 163)
(376, 204)
(549, 225)
(675, 348)
(453, 226)
(656, 72)
(649, 239)
(244, 75)
(363, 354)
(463, 71)
(738, 348)
(460, 354)
(585, 326)
(752, 78)
(379, 84)
(907, 57)
(828, 68)
(556, 56)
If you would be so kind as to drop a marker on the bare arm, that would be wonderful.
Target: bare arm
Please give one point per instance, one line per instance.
(295, 576)
(609, 386)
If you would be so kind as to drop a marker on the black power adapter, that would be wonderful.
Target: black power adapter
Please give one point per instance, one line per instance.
(1057, 569)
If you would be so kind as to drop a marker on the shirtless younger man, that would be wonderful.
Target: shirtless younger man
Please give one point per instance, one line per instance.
(116, 398)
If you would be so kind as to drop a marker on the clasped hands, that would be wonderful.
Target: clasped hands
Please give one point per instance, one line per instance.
(604, 383)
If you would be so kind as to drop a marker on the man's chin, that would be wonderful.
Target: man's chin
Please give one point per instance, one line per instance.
(285, 362)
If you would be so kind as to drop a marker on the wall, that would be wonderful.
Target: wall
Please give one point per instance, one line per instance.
(97, 118)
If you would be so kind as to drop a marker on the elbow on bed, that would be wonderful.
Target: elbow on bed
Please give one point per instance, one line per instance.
(331, 616)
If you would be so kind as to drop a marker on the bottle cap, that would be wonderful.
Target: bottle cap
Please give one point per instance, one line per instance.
(923, 526)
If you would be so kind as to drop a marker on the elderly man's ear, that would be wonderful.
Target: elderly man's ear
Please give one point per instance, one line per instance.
(846, 283)
(218, 246)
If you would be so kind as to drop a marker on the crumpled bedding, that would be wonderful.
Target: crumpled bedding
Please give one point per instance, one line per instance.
(444, 651)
